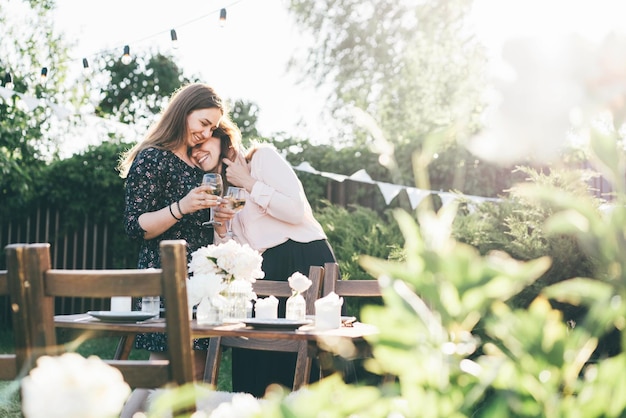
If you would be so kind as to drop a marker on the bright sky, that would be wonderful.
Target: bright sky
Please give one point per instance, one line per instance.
(246, 59)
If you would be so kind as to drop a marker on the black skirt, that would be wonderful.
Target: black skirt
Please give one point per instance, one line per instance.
(252, 370)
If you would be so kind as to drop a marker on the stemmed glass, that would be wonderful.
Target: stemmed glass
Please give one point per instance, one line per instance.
(235, 200)
(214, 181)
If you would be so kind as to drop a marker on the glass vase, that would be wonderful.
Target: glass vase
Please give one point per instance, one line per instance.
(210, 310)
(296, 307)
(238, 296)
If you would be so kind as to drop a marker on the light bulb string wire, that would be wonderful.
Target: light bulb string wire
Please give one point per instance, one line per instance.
(148, 37)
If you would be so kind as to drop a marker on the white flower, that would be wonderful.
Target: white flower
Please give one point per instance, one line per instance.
(230, 259)
(204, 285)
(71, 386)
(299, 282)
(243, 405)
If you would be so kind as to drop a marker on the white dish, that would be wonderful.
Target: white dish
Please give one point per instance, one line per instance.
(274, 323)
(115, 316)
(345, 320)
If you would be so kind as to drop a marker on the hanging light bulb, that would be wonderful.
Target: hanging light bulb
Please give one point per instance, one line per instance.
(8, 81)
(86, 69)
(126, 59)
(174, 39)
(44, 75)
(222, 17)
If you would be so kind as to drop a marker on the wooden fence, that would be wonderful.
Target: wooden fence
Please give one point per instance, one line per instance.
(85, 247)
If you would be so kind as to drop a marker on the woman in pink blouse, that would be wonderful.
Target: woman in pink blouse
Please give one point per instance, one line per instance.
(277, 221)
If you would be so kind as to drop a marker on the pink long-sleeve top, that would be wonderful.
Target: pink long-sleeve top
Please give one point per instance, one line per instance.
(276, 209)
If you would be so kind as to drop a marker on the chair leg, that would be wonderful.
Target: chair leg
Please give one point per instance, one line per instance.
(213, 358)
(303, 366)
(124, 347)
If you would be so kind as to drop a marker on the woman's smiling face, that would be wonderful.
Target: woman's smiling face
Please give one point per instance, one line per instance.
(207, 154)
(201, 123)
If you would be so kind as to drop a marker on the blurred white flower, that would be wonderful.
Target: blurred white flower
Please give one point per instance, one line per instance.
(71, 386)
(243, 405)
(554, 89)
(299, 282)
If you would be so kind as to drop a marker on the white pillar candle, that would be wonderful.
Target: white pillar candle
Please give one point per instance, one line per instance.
(121, 303)
(328, 312)
(266, 308)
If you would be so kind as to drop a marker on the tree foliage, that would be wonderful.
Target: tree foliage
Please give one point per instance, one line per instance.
(29, 126)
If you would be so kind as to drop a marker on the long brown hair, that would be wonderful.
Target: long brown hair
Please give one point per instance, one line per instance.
(170, 131)
(230, 143)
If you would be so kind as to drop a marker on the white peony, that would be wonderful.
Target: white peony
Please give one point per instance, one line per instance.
(230, 259)
(204, 285)
(299, 282)
(243, 405)
(72, 386)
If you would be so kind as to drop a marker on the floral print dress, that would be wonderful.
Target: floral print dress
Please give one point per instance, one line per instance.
(156, 179)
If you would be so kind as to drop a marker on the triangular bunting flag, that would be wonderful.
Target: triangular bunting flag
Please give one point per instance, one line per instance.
(336, 177)
(306, 166)
(389, 190)
(447, 198)
(416, 196)
(361, 176)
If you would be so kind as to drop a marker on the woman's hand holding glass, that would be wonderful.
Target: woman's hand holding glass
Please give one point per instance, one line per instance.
(212, 182)
(234, 200)
(197, 199)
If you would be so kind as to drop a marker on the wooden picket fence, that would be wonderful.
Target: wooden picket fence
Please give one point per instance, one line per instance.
(85, 247)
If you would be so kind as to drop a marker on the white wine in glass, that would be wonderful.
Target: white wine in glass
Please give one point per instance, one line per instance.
(235, 199)
(214, 181)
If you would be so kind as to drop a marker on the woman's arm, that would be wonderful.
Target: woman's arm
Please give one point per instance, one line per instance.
(272, 184)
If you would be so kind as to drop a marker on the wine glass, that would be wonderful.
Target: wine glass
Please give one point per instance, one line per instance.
(235, 200)
(214, 181)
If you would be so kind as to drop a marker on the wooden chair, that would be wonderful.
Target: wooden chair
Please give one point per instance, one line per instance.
(16, 365)
(356, 288)
(39, 285)
(264, 288)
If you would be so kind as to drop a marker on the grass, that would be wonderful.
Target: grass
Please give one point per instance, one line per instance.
(103, 347)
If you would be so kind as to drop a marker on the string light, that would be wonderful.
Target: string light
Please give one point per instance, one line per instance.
(126, 59)
(86, 69)
(8, 81)
(174, 39)
(44, 75)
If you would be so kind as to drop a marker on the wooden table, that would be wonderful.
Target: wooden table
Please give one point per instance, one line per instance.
(320, 342)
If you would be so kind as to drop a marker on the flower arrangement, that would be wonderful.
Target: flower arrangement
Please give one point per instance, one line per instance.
(230, 269)
(296, 305)
(216, 266)
(299, 282)
(72, 386)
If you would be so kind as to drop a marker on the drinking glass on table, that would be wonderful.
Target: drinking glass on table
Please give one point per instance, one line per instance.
(214, 181)
(235, 200)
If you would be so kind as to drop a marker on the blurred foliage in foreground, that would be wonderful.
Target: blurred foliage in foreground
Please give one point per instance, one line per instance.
(456, 345)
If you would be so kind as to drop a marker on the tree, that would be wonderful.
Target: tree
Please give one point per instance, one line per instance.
(30, 129)
(415, 69)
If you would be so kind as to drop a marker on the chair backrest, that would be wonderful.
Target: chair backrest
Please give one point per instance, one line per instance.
(39, 285)
(362, 288)
(278, 289)
(16, 365)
